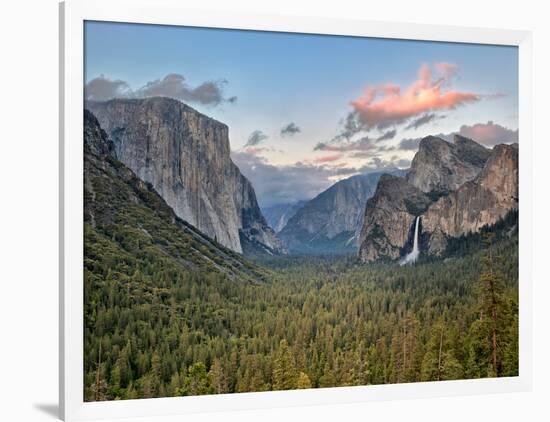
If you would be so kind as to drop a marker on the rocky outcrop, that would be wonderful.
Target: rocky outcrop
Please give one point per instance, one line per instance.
(124, 215)
(96, 140)
(330, 222)
(480, 202)
(440, 167)
(184, 155)
(389, 216)
(463, 187)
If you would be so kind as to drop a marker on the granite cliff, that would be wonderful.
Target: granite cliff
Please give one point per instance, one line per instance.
(456, 188)
(185, 156)
(440, 167)
(477, 203)
(126, 221)
(389, 217)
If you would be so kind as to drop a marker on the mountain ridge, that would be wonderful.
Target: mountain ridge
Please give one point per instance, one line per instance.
(330, 222)
(465, 187)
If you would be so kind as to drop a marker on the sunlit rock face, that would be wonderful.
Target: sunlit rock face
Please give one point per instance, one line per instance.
(464, 187)
(482, 201)
(442, 167)
(185, 156)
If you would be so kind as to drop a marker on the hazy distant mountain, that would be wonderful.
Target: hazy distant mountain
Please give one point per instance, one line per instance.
(278, 215)
(329, 223)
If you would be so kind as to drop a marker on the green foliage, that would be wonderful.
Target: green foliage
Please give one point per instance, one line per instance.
(171, 313)
(169, 331)
(285, 376)
(303, 381)
(197, 381)
(439, 362)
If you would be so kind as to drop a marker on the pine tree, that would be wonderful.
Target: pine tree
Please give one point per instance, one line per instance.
(327, 379)
(439, 362)
(303, 381)
(197, 381)
(491, 284)
(284, 369)
(99, 389)
(174, 389)
(218, 377)
(156, 374)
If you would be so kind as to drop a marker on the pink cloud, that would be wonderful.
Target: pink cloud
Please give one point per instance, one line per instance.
(363, 144)
(489, 133)
(447, 70)
(386, 104)
(255, 150)
(327, 158)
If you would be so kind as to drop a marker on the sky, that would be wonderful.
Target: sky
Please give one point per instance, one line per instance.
(304, 111)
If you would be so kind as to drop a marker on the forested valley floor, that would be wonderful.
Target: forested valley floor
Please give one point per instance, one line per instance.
(155, 329)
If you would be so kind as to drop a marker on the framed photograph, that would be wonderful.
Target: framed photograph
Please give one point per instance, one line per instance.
(262, 211)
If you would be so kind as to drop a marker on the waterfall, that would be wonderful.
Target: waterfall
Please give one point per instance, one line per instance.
(412, 256)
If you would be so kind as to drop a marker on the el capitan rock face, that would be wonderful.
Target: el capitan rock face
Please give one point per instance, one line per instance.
(440, 166)
(466, 187)
(121, 211)
(185, 156)
(389, 215)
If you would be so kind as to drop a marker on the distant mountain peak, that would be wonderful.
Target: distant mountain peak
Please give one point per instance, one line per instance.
(330, 223)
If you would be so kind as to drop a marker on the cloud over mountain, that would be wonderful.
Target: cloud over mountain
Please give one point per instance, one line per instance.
(363, 144)
(489, 133)
(102, 88)
(173, 85)
(289, 183)
(387, 104)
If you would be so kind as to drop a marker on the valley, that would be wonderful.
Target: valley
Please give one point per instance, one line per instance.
(311, 322)
(189, 291)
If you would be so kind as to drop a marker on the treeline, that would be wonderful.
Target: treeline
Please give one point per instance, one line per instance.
(154, 329)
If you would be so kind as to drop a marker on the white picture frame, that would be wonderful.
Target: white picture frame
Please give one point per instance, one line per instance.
(73, 14)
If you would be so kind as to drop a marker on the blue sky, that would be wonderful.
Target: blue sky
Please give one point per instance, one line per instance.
(316, 83)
